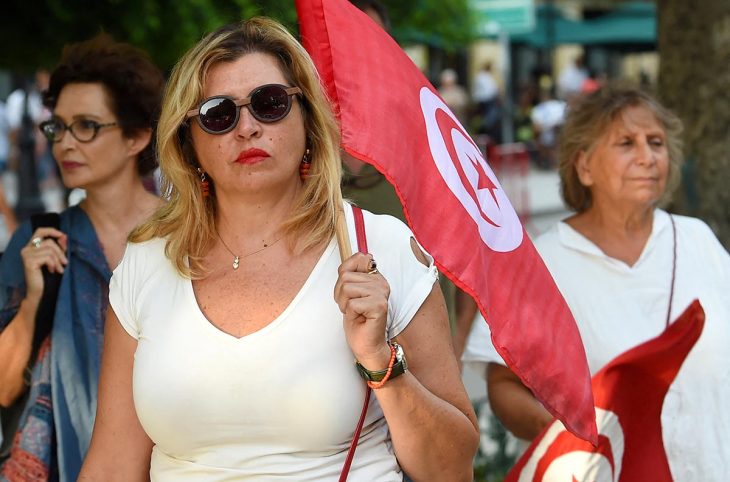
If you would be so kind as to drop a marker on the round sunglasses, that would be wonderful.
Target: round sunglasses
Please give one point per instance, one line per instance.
(268, 103)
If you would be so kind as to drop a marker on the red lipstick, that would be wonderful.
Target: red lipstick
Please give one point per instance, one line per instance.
(70, 165)
(252, 156)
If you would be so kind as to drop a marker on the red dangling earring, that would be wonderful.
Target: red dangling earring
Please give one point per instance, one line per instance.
(305, 165)
(204, 184)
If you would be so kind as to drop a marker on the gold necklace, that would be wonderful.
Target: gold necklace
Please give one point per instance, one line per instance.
(237, 258)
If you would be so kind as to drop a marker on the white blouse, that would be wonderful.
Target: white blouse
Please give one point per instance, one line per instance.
(617, 307)
(280, 404)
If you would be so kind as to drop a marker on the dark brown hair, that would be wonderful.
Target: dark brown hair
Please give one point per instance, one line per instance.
(132, 82)
(377, 7)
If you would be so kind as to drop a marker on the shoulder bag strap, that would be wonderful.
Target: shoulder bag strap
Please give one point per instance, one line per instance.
(362, 246)
(674, 271)
(51, 284)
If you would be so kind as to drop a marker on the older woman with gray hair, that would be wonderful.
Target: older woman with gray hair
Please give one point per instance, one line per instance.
(627, 269)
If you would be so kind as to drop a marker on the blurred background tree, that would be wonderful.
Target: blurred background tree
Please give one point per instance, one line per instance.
(694, 81)
(32, 34)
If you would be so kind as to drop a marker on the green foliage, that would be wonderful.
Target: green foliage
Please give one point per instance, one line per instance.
(498, 450)
(447, 24)
(33, 33)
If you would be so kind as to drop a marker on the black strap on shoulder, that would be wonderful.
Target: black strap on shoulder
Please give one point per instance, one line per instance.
(51, 284)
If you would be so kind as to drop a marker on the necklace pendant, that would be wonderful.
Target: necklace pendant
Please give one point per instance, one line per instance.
(235, 262)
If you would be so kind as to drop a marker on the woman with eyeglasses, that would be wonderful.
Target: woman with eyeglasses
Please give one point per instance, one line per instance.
(105, 98)
(237, 341)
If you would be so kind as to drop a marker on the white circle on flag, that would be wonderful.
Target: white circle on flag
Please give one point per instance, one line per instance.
(580, 465)
(468, 176)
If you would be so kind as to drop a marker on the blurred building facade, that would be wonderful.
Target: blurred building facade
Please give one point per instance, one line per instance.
(616, 40)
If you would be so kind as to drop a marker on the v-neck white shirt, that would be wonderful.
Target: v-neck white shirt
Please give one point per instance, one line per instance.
(280, 404)
(617, 307)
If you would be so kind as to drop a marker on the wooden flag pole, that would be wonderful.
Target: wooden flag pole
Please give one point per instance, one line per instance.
(343, 237)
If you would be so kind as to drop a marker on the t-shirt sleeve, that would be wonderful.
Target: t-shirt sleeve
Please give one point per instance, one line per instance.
(479, 349)
(123, 289)
(389, 241)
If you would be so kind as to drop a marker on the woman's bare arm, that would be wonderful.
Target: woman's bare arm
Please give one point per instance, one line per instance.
(16, 340)
(432, 422)
(120, 449)
(514, 404)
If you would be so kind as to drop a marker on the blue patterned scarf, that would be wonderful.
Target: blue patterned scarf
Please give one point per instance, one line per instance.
(66, 377)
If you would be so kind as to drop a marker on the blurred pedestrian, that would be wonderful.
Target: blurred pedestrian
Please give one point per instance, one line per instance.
(522, 118)
(485, 95)
(547, 119)
(592, 83)
(571, 78)
(26, 102)
(8, 217)
(375, 10)
(4, 138)
(454, 95)
(105, 98)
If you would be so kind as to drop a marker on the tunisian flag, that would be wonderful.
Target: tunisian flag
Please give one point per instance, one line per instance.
(392, 118)
(629, 394)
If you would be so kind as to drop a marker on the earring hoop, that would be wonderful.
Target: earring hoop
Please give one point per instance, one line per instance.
(204, 183)
(305, 165)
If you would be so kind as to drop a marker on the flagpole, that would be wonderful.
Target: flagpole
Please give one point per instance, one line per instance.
(343, 237)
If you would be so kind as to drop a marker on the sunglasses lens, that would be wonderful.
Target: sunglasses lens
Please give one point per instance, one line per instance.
(218, 114)
(270, 103)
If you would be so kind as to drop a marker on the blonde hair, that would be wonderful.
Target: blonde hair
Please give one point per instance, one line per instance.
(589, 117)
(187, 220)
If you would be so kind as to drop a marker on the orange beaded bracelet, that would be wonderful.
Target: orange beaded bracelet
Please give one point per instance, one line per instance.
(376, 385)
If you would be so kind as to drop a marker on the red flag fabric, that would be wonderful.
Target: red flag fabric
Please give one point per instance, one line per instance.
(629, 394)
(394, 119)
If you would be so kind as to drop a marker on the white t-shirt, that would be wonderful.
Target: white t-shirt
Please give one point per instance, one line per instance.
(484, 88)
(549, 114)
(617, 307)
(571, 80)
(15, 106)
(280, 404)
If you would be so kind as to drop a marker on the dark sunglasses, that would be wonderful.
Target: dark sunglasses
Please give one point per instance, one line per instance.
(84, 130)
(267, 103)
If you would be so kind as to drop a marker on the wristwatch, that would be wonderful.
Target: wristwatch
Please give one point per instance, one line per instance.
(399, 366)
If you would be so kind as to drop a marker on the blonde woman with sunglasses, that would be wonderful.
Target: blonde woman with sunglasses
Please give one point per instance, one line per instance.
(234, 327)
